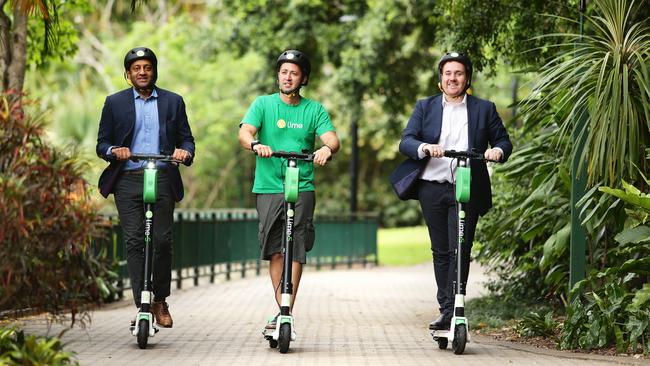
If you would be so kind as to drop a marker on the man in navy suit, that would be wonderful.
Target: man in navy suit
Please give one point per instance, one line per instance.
(145, 119)
(457, 121)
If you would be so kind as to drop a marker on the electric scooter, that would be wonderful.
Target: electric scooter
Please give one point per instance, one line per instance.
(458, 332)
(144, 321)
(283, 333)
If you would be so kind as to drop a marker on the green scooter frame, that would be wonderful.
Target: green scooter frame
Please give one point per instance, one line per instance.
(458, 333)
(144, 322)
(284, 332)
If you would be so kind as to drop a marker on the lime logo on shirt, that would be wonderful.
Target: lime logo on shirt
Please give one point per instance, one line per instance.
(282, 124)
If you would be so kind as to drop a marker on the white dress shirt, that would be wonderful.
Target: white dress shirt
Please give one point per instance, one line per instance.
(453, 136)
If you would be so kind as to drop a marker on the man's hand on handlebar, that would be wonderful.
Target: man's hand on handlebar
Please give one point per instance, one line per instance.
(322, 155)
(493, 155)
(435, 151)
(263, 151)
(121, 153)
(181, 155)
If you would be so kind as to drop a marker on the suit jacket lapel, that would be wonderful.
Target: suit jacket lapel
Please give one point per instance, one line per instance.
(130, 113)
(436, 115)
(162, 117)
(472, 121)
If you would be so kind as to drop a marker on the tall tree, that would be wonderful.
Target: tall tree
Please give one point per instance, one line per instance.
(31, 32)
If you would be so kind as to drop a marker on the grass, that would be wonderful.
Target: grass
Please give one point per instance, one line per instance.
(403, 246)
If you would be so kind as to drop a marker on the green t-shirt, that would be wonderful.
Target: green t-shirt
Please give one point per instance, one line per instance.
(285, 127)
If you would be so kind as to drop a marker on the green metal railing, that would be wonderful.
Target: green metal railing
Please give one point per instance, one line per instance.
(223, 242)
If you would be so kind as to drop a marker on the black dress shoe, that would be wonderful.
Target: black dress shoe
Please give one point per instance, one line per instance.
(443, 322)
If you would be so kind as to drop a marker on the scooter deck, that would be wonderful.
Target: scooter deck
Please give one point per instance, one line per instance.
(448, 333)
(441, 334)
(155, 328)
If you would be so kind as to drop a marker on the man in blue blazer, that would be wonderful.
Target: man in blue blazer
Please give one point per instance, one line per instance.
(147, 120)
(457, 121)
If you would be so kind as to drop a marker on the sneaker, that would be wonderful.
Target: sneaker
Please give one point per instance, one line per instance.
(272, 322)
(160, 311)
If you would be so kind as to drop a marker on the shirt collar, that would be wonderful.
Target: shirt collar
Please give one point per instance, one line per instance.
(445, 103)
(154, 94)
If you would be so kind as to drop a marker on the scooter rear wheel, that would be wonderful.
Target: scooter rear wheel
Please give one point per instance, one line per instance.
(460, 339)
(273, 343)
(285, 337)
(143, 333)
(442, 343)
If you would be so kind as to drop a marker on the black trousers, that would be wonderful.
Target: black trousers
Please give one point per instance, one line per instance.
(130, 207)
(440, 211)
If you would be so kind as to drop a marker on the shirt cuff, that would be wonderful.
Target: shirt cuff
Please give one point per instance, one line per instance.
(108, 152)
(421, 153)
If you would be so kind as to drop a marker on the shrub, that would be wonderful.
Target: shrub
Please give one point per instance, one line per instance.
(47, 258)
(19, 349)
(537, 325)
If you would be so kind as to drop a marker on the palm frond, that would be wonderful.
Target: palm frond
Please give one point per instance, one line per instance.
(603, 74)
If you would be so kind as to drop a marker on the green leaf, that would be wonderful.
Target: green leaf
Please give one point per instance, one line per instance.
(634, 235)
(554, 246)
(641, 298)
(636, 200)
(621, 344)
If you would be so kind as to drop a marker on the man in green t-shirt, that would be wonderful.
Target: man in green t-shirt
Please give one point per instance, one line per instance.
(289, 122)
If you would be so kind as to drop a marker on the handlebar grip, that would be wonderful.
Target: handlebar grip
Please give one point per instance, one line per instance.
(473, 155)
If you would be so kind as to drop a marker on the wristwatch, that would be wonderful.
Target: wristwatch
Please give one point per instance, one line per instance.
(253, 143)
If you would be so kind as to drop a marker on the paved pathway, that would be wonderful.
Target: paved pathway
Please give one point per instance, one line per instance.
(375, 316)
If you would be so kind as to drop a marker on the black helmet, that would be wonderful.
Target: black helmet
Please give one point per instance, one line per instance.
(298, 58)
(140, 53)
(458, 57)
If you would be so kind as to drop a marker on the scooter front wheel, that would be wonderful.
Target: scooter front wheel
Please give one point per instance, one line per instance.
(460, 339)
(143, 333)
(285, 337)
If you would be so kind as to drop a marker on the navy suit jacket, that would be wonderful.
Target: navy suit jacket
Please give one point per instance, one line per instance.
(116, 127)
(484, 127)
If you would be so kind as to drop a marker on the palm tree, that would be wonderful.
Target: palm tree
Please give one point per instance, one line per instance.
(13, 38)
(603, 78)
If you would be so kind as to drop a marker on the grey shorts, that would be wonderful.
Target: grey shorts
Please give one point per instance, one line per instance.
(270, 209)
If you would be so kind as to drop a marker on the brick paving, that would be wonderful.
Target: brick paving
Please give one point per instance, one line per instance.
(372, 316)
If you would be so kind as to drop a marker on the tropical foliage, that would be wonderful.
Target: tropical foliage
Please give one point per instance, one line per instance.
(47, 260)
(601, 82)
(20, 349)
(605, 76)
(613, 304)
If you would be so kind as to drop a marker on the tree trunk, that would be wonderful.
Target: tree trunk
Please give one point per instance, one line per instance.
(16, 72)
(5, 54)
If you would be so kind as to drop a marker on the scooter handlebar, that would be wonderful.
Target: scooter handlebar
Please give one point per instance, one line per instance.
(293, 155)
(154, 157)
(473, 155)
(304, 156)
